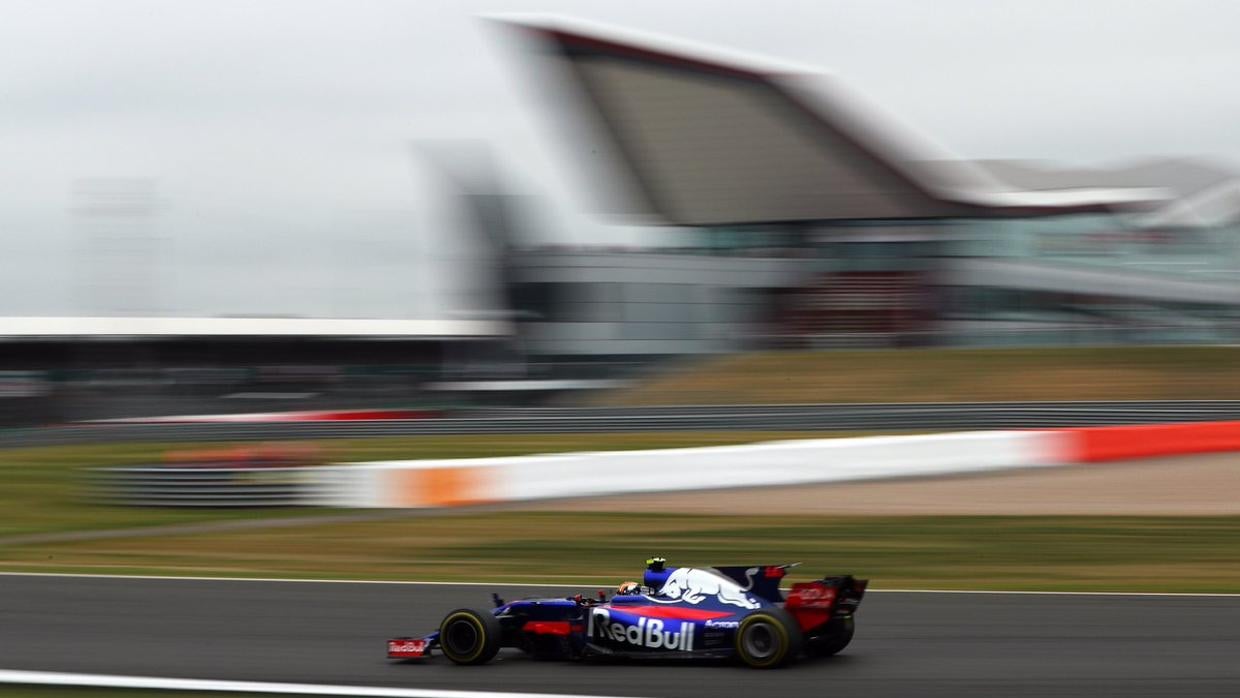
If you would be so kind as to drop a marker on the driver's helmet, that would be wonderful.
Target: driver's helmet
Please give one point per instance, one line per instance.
(628, 589)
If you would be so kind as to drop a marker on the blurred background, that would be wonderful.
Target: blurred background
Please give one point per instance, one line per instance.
(281, 206)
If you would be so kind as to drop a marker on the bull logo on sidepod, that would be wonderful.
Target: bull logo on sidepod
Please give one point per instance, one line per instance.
(692, 586)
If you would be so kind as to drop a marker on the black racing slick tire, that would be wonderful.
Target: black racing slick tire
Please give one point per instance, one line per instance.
(469, 636)
(833, 638)
(767, 639)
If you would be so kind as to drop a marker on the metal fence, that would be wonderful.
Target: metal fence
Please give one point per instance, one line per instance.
(824, 417)
(200, 487)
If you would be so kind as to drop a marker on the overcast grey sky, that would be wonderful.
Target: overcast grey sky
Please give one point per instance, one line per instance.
(278, 132)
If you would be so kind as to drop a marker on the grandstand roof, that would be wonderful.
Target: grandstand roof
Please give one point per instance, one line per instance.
(710, 137)
(13, 327)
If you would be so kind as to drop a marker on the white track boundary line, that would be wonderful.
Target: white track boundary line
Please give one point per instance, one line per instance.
(51, 678)
(578, 585)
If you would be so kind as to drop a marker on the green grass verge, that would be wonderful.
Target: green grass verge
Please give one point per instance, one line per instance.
(1178, 554)
(951, 375)
(44, 490)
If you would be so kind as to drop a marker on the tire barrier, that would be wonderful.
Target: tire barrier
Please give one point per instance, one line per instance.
(445, 483)
(461, 482)
(1125, 443)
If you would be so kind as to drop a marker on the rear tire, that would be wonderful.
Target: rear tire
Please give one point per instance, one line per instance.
(834, 638)
(469, 636)
(767, 639)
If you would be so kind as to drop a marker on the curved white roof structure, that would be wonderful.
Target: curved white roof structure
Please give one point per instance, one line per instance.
(714, 138)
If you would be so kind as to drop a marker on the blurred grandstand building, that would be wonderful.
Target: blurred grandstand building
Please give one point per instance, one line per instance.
(806, 220)
(790, 216)
(57, 369)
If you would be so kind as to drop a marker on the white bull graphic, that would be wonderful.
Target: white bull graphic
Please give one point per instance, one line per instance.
(693, 585)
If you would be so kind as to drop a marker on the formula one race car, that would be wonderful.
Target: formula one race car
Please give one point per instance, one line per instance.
(677, 612)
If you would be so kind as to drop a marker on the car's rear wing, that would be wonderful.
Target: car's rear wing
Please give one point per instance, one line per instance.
(817, 602)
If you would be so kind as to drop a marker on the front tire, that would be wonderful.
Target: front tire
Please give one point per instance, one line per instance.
(469, 636)
(767, 639)
(834, 638)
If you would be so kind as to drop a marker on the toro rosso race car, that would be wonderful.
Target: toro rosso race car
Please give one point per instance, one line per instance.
(677, 612)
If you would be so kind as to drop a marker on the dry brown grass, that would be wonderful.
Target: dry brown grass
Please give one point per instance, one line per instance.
(952, 375)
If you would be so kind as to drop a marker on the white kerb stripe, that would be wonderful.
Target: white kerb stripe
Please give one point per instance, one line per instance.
(52, 678)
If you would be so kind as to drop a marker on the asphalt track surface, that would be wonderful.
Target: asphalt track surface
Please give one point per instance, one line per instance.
(907, 644)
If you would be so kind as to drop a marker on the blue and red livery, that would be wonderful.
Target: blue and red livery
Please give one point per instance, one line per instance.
(717, 612)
